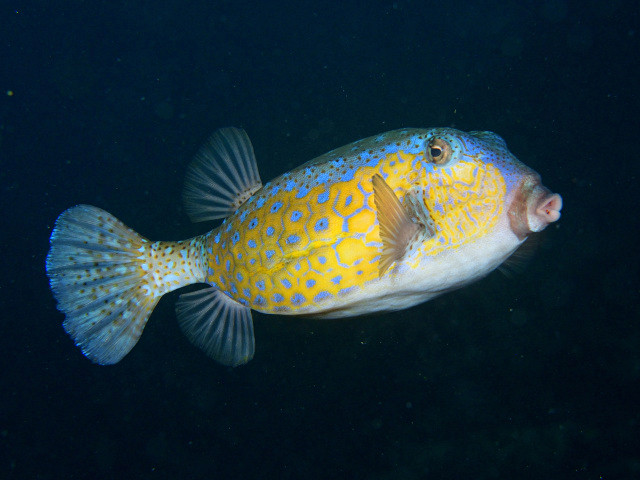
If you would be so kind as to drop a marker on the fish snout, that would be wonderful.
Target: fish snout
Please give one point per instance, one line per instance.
(533, 207)
(543, 208)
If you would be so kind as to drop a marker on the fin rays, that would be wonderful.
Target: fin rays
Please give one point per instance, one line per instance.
(397, 230)
(93, 275)
(223, 175)
(218, 325)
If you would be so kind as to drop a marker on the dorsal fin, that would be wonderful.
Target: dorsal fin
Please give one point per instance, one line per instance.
(399, 234)
(222, 176)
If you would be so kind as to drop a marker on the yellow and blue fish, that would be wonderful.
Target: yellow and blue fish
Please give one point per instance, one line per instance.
(381, 224)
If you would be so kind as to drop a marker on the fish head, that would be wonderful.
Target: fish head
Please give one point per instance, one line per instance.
(472, 184)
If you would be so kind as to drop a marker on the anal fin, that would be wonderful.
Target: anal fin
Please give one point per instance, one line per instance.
(219, 325)
(398, 232)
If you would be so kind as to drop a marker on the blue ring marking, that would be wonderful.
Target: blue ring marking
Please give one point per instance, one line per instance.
(291, 239)
(298, 299)
(286, 283)
(277, 298)
(260, 300)
(253, 224)
(275, 207)
(296, 215)
(239, 276)
(310, 283)
(269, 254)
(321, 224)
(252, 243)
(235, 238)
(270, 231)
(260, 284)
(323, 197)
(321, 296)
(252, 261)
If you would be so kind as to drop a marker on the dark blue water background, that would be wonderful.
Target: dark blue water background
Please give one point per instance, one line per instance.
(536, 375)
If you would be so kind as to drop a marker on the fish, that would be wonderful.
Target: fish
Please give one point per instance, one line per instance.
(379, 225)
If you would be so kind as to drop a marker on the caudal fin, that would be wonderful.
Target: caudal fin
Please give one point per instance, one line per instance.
(107, 279)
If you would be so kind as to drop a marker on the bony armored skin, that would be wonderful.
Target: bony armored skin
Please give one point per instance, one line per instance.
(381, 224)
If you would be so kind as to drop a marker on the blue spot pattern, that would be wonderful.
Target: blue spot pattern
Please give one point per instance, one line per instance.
(252, 243)
(310, 283)
(286, 283)
(269, 254)
(293, 239)
(270, 231)
(277, 298)
(296, 215)
(302, 192)
(321, 296)
(260, 284)
(321, 224)
(276, 206)
(298, 299)
(323, 197)
(253, 224)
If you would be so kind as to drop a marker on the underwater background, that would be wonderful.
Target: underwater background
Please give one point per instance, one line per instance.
(533, 374)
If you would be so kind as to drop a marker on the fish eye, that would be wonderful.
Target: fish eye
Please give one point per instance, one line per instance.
(439, 151)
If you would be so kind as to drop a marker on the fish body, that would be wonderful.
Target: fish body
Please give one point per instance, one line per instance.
(381, 224)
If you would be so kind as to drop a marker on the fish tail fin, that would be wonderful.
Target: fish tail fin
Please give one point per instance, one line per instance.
(107, 279)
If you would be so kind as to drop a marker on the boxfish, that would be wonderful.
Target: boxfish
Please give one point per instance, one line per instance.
(378, 225)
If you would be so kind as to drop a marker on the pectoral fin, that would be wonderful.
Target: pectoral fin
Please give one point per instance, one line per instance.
(398, 232)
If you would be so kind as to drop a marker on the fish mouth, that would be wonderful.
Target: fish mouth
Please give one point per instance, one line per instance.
(533, 207)
(548, 209)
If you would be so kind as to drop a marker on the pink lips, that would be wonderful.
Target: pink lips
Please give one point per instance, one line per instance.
(549, 208)
(533, 207)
